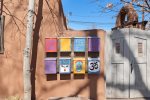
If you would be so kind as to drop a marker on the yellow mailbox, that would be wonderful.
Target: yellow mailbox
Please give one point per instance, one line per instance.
(79, 66)
(65, 44)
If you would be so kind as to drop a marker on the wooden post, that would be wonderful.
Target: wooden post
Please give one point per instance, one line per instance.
(2, 18)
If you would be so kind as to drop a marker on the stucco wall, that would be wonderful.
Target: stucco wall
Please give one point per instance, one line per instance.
(48, 22)
(89, 86)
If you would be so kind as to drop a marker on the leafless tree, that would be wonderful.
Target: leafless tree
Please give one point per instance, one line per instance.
(27, 52)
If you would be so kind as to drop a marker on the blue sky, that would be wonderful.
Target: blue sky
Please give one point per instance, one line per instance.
(89, 14)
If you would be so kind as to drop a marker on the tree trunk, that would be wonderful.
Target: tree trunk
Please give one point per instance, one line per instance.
(27, 52)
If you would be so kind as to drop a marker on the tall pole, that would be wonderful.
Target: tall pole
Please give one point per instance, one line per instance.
(143, 11)
(27, 52)
(143, 15)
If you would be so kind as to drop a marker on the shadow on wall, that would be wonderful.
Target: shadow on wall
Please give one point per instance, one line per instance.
(39, 18)
(10, 61)
(92, 82)
(139, 81)
(93, 79)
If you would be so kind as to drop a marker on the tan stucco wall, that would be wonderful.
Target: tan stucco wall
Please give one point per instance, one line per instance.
(89, 86)
(11, 63)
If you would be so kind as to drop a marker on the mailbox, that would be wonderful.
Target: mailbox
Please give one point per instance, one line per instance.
(79, 66)
(65, 44)
(93, 65)
(93, 44)
(51, 45)
(65, 65)
(79, 44)
(50, 66)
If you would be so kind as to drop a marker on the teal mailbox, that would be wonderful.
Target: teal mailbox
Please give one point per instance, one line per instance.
(79, 44)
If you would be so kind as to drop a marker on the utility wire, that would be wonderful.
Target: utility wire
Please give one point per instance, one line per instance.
(83, 22)
(84, 16)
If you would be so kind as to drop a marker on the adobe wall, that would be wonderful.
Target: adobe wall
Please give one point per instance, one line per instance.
(88, 86)
(46, 25)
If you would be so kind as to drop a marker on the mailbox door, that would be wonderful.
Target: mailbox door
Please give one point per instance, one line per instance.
(65, 66)
(50, 45)
(93, 44)
(65, 44)
(93, 66)
(79, 66)
(50, 66)
(79, 44)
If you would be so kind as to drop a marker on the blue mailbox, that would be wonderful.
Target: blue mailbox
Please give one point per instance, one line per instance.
(79, 44)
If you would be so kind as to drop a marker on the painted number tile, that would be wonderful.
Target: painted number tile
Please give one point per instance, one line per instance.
(93, 65)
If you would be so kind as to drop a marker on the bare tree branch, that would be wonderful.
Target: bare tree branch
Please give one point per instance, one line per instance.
(146, 8)
(53, 17)
(13, 18)
(147, 4)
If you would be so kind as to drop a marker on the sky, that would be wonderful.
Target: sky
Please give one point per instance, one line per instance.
(92, 14)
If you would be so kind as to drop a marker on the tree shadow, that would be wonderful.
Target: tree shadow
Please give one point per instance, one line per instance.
(134, 68)
(93, 78)
(39, 18)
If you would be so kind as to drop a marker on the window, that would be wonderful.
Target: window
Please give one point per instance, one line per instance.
(1, 34)
(117, 48)
(140, 48)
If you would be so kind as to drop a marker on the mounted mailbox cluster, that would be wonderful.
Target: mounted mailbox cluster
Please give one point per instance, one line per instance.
(66, 55)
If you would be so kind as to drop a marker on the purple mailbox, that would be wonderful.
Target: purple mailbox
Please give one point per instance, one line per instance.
(93, 44)
(50, 66)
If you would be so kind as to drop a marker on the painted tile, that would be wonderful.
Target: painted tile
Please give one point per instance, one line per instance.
(64, 65)
(93, 65)
(79, 66)
(51, 45)
(50, 66)
(65, 44)
(93, 44)
(79, 44)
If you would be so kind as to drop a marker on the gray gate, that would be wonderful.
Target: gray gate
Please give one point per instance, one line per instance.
(127, 63)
